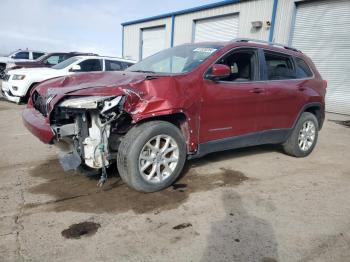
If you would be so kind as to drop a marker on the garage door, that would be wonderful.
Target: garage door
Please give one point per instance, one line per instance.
(153, 40)
(322, 31)
(223, 28)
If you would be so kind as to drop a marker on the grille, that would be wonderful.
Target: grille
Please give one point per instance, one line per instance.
(39, 103)
(2, 70)
(4, 77)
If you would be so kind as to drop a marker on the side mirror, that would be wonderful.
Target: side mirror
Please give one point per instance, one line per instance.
(75, 68)
(218, 71)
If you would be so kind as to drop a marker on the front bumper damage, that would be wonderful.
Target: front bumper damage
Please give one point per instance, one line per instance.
(82, 130)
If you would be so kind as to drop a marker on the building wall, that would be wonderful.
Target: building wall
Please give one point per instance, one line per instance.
(248, 11)
(132, 36)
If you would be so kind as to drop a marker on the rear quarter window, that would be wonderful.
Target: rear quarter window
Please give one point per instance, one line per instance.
(302, 69)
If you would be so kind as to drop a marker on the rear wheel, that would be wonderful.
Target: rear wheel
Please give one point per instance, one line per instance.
(304, 136)
(151, 156)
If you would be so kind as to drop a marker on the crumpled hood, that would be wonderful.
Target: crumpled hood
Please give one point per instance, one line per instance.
(96, 84)
(100, 82)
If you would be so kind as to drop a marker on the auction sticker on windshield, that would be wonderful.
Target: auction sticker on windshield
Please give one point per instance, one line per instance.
(205, 50)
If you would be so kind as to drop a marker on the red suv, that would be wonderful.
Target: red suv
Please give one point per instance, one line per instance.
(181, 103)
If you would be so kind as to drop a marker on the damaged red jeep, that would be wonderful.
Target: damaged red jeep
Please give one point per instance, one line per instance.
(181, 103)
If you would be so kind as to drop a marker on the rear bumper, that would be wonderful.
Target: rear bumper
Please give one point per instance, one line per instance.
(38, 125)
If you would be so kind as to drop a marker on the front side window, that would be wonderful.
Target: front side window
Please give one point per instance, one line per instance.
(302, 69)
(243, 65)
(36, 55)
(91, 65)
(279, 66)
(112, 65)
(21, 55)
(180, 59)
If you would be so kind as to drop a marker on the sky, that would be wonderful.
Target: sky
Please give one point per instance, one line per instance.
(76, 25)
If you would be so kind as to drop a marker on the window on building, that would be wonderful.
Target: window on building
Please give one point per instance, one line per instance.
(112, 65)
(279, 66)
(21, 55)
(36, 55)
(91, 65)
(302, 69)
(243, 65)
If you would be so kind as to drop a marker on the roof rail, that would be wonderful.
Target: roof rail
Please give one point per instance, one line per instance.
(265, 42)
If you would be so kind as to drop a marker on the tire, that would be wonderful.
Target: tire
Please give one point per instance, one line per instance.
(25, 98)
(138, 150)
(299, 143)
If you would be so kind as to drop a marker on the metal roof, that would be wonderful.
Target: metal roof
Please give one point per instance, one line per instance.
(181, 12)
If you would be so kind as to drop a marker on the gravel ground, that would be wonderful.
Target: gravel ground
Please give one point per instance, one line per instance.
(253, 204)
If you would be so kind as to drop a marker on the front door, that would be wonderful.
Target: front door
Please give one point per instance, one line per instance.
(230, 106)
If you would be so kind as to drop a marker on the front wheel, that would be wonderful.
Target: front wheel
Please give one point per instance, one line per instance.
(151, 156)
(304, 136)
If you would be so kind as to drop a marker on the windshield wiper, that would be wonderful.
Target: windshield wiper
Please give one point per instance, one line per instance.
(143, 71)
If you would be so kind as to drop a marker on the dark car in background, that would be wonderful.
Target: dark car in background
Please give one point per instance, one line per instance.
(46, 60)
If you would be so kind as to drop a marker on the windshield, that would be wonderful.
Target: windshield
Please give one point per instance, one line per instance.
(180, 59)
(65, 63)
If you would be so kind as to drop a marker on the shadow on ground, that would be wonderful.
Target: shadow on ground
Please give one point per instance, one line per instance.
(75, 192)
(240, 236)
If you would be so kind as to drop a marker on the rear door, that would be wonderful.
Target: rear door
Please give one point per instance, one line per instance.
(284, 96)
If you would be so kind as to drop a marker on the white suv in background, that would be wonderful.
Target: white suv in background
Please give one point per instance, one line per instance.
(18, 83)
(19, 55)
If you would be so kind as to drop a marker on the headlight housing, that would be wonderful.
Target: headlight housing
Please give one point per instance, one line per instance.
(18, 77)
(86, 102)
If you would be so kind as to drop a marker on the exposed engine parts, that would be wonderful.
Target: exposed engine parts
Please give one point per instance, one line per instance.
(83, 128)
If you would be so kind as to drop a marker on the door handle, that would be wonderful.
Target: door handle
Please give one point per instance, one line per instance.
(301, 88)
(257, 90)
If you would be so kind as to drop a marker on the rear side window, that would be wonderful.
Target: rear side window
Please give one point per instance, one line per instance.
(112, 65)
(21, 55)
(279, 67)
(302, 69)
(91, 65)
(36, 55)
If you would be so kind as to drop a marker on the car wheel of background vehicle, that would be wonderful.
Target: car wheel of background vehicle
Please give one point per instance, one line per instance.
(151, 156)
(26, 97)
(304, 136)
